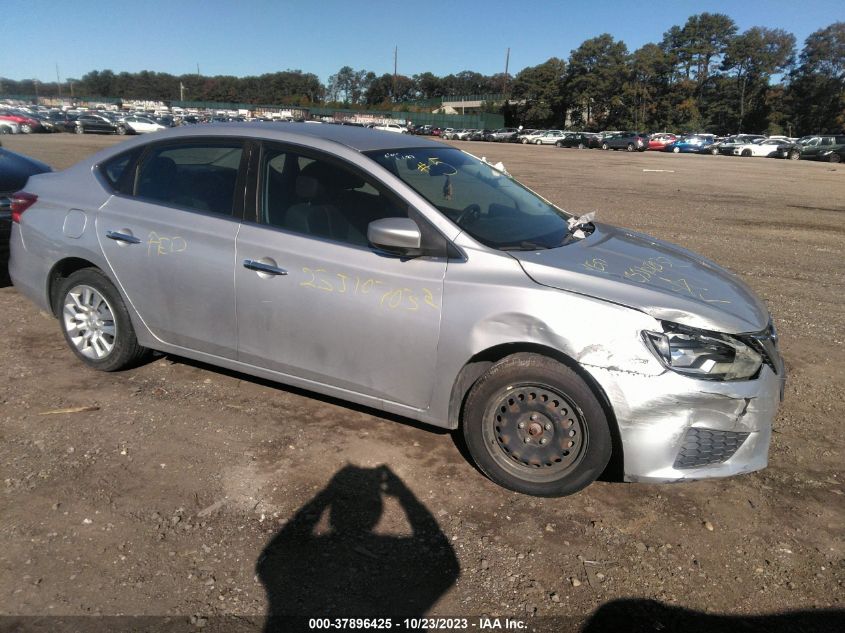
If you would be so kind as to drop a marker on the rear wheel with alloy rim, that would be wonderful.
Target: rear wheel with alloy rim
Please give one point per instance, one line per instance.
(604, 146)
(835, 158)
(794, 155)
(534, 426)
(630, 147)
(96, 323)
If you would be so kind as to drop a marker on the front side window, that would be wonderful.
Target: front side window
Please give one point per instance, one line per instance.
(318, 197)
(198, 176)
(489, 205)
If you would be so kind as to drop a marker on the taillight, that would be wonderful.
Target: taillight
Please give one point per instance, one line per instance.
(21, 201)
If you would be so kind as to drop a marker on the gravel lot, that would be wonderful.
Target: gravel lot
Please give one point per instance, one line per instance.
(189, 491)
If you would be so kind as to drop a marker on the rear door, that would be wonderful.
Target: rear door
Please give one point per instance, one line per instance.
(169, 237)
(100, 124)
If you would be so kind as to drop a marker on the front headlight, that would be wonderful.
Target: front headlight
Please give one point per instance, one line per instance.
(704, 355)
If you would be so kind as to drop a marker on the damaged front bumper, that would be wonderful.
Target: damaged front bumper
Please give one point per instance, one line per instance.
(676, 428)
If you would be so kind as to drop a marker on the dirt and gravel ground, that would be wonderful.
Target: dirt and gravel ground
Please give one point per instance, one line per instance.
(193, 492)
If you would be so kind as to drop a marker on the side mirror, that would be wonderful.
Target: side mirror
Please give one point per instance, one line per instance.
(395, 235)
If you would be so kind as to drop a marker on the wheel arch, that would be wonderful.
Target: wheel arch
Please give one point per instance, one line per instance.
(60, 271)
(478, 365)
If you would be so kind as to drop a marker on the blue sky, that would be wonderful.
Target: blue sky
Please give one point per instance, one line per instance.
(250, 38)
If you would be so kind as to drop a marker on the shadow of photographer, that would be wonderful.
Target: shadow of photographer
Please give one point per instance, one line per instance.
(328, 561)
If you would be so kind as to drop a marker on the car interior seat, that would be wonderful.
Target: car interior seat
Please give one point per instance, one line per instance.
(158, 179)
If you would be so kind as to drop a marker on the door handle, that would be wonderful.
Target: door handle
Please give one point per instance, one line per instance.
(261, 267)
(117, 236)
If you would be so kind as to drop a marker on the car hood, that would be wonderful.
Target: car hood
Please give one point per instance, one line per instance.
(661, 279)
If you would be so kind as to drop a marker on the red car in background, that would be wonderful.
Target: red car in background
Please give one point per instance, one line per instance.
(26, 123)
(659, 141)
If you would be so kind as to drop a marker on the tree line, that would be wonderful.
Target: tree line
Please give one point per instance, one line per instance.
(703, 76)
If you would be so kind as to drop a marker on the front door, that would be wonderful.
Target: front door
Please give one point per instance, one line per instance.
(315, 301)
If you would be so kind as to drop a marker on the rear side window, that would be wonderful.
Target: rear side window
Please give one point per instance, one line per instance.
(115, 169)
(199, 176)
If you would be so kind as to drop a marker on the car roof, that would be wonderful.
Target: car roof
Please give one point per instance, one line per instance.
(357, 138)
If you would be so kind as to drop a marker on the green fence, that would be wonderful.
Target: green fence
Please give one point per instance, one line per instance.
(64, 97)
(482, 120)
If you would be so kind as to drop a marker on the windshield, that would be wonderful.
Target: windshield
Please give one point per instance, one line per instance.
(486, 203)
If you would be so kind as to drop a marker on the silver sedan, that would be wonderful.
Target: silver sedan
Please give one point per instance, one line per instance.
(412, 277)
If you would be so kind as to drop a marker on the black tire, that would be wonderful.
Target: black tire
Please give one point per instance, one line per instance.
(630, 147)
(26, 128)
(794, 155)
(551, 402)
(580, 146)
(79, 129)
(559, 144)
(835, 158)
(604, 146)
(126, 351)
(676, 150)
(121, 129)
(714, 151)
(525, 141)
(746, 153)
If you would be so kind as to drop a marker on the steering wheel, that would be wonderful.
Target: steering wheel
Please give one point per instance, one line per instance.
(472, 212)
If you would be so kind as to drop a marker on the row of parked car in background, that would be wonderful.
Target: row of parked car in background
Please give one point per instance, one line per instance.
(827, 147)
(33, 119)
(27, 121)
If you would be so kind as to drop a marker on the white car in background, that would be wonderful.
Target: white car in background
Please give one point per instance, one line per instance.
(142, 125)
(9, 127)
(549, 138)
(392, 127)
(531, 136)
(761, 147)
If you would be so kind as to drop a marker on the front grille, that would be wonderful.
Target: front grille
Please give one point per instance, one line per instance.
(706, 446)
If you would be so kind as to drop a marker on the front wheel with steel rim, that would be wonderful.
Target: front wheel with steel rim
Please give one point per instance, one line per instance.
(95, 321)
(534, 426)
